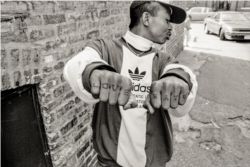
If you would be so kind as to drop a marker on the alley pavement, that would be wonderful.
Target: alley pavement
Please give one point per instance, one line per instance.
(216, 132)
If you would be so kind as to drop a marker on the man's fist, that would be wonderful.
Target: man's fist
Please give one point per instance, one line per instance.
(167, 92)
(112, 88)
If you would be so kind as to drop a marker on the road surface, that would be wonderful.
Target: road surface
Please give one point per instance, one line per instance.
(216, 132)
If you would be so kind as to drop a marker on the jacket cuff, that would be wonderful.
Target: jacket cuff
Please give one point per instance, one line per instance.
(179, 73)
(88, 70)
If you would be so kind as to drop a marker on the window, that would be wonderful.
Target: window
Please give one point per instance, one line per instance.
(217, 17)
(233, 17)
(196, 10)
(209, 10)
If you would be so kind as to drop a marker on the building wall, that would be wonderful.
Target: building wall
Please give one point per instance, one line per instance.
(201, 3)
(37, 39)
(242, 5)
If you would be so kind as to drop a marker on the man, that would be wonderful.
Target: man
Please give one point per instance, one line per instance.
(134, 87)
(187, 27)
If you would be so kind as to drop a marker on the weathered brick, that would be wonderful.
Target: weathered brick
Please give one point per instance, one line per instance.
(110, 21)
(81, 151)
(6, 81)
(65, 108)
(93, 34)
(77, 100)
(37, 78)
(58, 91)
(54, 19)
(17, 78)
(27, 76)
(33, 20)
(69, 95)
(4, 63)
(39, 34)
(66, 29)
(52, 105)
(69, 126)
(59, 66)
(88, 160)
(48, 59)
(79, 109)
(13, 7)
(36, 56)
(7, 26)
(15, 57)
(26, 54)
(47, 69)
(43, 6)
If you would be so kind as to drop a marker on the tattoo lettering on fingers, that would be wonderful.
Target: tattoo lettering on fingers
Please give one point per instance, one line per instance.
(105, 86)
(175, 97)
(166, 97)
(115, 87)
(154, 96)
(95, 85)
(127, 92)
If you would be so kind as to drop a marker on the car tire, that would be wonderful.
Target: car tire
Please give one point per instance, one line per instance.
(222, 35)
(206, 29)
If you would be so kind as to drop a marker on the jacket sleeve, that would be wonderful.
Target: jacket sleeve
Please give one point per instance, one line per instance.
(78, 69)
(188, 76)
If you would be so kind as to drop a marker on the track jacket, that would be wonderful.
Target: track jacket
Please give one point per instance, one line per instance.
(130, 138)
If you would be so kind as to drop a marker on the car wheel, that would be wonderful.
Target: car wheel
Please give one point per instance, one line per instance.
(222, 35)
(206, 30)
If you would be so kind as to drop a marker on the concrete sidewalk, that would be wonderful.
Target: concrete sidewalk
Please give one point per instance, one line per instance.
(216, 132)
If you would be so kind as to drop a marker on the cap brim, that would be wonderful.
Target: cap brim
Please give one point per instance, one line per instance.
(178, 14)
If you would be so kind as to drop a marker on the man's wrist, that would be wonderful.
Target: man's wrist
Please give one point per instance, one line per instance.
(179, 73)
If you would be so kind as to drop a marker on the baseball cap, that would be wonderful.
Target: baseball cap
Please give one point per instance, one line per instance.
(178, 15)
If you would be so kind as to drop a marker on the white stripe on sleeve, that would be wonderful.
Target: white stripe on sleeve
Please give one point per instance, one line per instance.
(184, 109)
(73, 72)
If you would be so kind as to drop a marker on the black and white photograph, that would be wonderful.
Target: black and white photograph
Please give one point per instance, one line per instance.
(155, 83)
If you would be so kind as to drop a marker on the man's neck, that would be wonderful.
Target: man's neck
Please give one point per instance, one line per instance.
(137, 41)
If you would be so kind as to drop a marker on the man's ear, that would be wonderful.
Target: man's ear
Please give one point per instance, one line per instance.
(145, 18)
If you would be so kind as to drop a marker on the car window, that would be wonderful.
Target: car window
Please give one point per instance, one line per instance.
(233, 17)
(247, 15)
(196, 10)
(217, 17)
(210, 10)
(214, 15)
(204, 10)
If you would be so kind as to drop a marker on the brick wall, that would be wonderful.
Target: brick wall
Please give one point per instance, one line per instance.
(37, 39)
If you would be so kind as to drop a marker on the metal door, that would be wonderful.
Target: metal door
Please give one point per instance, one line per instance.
(22, 132)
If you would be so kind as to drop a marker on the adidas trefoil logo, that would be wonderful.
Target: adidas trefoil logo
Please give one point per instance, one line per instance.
(136, 76)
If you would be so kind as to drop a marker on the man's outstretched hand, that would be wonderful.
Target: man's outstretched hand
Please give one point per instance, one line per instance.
(112, 88)
(167, 92)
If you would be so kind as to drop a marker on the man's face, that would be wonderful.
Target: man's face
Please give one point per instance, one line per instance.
(160, 27)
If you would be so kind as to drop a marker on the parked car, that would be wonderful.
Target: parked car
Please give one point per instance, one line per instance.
(228, 25)
(247, 15)
(200, 13)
